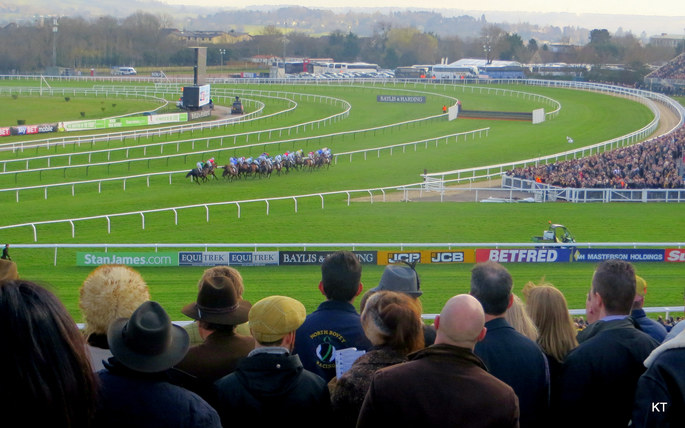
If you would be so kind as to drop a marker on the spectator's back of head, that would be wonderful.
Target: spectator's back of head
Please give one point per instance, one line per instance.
(491, 284)
(461, 322)
(274, 317)
(341, 275)
(640, 292)
(147, 342)
(401, 278)
(8, 270)
(108, 293)
(226, 271)
(47, 378)
(548, 309)
(518, 318)
(217, 303)
(393, 319)
(614, 281)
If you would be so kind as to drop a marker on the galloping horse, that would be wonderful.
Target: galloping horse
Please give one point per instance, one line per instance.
(265, 169)
(208, 169)
(288, 163)
(309, 162)
(278, 166)
(230, 172)
(196, 175)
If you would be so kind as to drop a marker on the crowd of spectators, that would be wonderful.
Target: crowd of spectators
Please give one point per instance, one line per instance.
(653, 164)
(674, 69)
(480, 367)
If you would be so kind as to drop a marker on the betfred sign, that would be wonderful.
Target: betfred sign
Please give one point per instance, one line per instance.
(523, 255)
(675, 255)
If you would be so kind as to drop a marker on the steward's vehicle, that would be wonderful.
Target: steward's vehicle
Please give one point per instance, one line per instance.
(555, 234)
(237, 107)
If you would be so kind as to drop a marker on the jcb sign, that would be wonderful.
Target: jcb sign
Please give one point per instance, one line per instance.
(426, 256)
(452, 256)
(398, 257)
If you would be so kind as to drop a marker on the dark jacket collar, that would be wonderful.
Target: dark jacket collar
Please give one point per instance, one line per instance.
(497, 323)
(447, 352)
(599, 326)
(337, 305)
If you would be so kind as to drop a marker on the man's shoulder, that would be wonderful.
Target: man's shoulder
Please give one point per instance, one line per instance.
(312, 379)
(327, 315)
(610, 337)
(508, 338)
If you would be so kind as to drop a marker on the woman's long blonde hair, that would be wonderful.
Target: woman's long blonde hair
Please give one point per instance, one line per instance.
(518, 318)
(547, 306)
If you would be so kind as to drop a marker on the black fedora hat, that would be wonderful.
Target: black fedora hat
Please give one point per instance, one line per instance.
(148, 341)
(218, 303)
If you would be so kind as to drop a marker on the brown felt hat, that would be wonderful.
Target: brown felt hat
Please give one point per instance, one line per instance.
(218, 303)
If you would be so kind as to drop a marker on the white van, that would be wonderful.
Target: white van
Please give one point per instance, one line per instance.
(124, 71)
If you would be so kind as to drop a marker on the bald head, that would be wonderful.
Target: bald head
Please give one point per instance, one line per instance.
(461, 322)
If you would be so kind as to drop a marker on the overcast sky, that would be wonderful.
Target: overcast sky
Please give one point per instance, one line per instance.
(626, 7)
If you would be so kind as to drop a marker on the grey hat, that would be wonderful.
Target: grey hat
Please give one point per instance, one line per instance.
(400, 278)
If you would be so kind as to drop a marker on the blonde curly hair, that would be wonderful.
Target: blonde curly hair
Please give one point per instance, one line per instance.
(108, 293)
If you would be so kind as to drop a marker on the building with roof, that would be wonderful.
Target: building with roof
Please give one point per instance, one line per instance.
(210, 37)
(667, 40)
(474, 67)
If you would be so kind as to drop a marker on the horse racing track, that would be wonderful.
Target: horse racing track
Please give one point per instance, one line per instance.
(136, 190)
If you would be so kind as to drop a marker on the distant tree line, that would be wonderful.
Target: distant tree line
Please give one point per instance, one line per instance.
(143, 39)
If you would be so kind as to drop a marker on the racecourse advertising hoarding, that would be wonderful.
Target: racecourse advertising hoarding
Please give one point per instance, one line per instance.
(426, 256)
(401, 99)
(675, 255)
(381, 257)
(139, 259)
(228, 258)
(628, 254)
(524, 255)
(317, 257)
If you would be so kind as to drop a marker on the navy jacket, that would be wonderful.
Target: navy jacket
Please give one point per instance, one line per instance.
(649, 326)
(599, 377)
(131, 399)
(334, 325)
(268, 389)
(520, 363)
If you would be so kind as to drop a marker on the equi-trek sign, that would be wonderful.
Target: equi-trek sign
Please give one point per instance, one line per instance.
(401, 99)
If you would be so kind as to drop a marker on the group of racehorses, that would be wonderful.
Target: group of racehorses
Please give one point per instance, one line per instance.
(262, 166)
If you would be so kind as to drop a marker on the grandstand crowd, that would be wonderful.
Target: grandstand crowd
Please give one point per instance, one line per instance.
(489, 359)
(653, 164)
(674, 69)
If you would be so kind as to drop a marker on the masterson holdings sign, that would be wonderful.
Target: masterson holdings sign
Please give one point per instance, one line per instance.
(628, 254)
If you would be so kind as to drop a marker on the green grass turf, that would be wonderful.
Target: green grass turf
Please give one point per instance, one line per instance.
(35, 110)
(588, 117)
